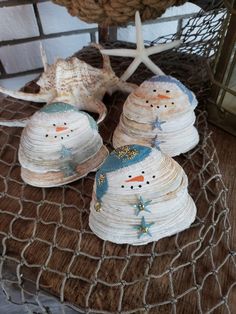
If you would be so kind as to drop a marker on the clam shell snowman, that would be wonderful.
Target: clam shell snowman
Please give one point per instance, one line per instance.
(160, 114)
(140, 195)
(58, 145)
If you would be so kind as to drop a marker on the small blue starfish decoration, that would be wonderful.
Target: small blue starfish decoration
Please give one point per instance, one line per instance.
(65, 152)
(69, 170)
(156, 143)
(143, 228)
(142, 206)
(157, 124)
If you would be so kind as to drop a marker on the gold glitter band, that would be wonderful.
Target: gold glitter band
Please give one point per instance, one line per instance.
(101, 179)
(126, 153)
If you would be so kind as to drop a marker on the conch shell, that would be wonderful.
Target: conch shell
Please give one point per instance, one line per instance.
(58, 145)
(140, 195)
(160, 114)
(77, 83)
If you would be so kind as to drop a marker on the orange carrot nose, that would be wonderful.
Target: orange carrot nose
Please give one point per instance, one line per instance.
(61, 128)
(136, 179)
(163, 96)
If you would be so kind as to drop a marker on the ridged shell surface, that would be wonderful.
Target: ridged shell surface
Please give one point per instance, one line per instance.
(59, 144)
(140, 195)
(159, 113)
(72, 75)
(74, 82)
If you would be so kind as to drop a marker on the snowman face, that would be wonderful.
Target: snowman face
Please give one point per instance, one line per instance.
(137, 181)
(59, 130)
(163, 98)
(134, 178)
(56, 127)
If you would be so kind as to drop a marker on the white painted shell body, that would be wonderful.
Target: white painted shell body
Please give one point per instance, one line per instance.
(59, 144)
(160, 113)
(140, 195)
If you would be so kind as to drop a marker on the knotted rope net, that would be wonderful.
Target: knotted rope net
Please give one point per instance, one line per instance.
(47, 248)
(116, 12)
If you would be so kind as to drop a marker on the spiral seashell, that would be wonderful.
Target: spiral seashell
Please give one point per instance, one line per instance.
(59, 144)
(140, 195)
(159, 113)
(75, 82)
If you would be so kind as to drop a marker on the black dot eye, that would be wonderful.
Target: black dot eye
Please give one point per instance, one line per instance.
(122, 186)
(154, 177)
(54, 124)
(172, 103)
(154, 90)
(140, 186)
(62, 137)
(167, 91)
(143, 171)
(132, 187)
(165, 106)
(55, 136)
(67, 135)
(64, 123)
(130, 176)
(147, 101)
(46, 135)
(147, 182)
(158, 107)
(151, 105)
(71, 130)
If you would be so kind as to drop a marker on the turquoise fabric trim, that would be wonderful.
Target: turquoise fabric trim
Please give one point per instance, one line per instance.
(170, 79)
(63, 107)
(120, 158)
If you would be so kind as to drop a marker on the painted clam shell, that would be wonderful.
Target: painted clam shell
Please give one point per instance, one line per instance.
(140, 195)
(159, 113)
(59, 144)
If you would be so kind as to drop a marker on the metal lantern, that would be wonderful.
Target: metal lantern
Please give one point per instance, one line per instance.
(222, 104)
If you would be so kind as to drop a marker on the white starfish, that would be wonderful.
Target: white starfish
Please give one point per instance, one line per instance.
(141, 53)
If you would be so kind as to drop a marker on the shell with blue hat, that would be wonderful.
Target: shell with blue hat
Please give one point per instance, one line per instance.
(159, 113)
(59, 144)
(140, 195)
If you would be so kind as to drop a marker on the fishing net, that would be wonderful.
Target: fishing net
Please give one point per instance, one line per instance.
(48, 250)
